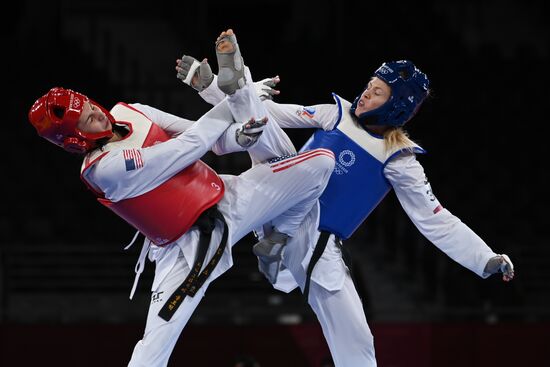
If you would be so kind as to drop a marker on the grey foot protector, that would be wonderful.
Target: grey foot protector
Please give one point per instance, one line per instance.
(269, 268)
(271, 246)
(231, 67)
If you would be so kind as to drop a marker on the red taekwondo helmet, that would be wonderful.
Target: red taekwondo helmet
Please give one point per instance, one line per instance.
(55, 116)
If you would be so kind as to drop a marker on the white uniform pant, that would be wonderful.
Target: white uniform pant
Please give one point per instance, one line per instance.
(332, 296)
(287, 189)
(257, 196)
(161, 336)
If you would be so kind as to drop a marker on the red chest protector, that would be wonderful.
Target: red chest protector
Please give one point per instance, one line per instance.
(166, 212)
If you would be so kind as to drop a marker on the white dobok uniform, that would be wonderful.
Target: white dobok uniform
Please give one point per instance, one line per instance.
(125, 170)
(332, 294)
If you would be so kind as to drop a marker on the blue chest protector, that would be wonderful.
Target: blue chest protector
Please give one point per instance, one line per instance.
(357, 184)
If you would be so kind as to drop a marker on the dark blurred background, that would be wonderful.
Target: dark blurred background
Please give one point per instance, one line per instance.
(65, 280)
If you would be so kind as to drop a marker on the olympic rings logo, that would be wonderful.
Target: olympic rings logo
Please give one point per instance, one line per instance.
(346, 158)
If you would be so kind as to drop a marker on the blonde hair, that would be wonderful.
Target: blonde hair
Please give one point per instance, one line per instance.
(397, 138)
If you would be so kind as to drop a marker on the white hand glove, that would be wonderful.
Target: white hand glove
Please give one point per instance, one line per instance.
(196, 74)
(265, 88)
(249, 132)
(500, 264)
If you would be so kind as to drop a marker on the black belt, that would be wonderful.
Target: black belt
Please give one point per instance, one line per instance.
(317, 252)
(195, 279)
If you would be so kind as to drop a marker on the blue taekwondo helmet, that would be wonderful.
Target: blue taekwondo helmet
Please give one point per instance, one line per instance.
(409, 88)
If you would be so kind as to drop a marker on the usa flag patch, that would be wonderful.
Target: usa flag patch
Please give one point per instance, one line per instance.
(282, 163)
(132, 159)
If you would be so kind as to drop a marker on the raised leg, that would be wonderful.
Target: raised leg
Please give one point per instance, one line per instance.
(231, 75)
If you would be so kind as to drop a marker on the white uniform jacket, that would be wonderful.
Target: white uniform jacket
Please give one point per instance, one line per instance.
(407, 177)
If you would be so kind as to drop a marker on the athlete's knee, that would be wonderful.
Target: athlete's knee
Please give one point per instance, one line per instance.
(329, 163)
(324, 159)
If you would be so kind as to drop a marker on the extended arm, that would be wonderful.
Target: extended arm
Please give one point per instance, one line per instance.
(236, 138)
(436, 223)
(323, 116)
(204, 81)
(244, 102)
(199, 76)
(154, 165)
